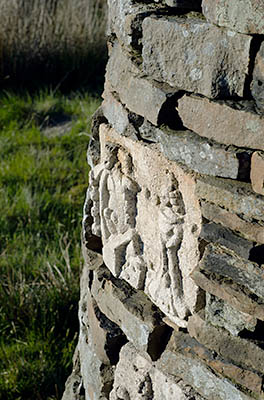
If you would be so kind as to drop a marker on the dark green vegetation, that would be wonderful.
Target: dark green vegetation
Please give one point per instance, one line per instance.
(43, 179)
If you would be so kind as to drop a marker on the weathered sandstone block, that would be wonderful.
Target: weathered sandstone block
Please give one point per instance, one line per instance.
(73, 385)
(221, 314)
(115, 113)
(140, 95)
(97, 378)
(244, 16)
(226, 122)
(222, 273)
(125, 18)
(215, 233)
(136, 378)
(185, 345)
(257, 172)
(257, 89)
(195, 56)
(132, 311)
(250, 231)
(150, 221)
(195, 152)
(234, 349)
(197, 375)
(105, 337)
(132, 380)
(236, 197)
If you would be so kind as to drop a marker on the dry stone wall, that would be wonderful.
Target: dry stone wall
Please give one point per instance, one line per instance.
(172, 290)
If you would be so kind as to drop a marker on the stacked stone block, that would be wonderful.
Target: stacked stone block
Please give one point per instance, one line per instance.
(172, 291)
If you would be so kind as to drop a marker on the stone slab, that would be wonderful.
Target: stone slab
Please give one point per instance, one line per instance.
(239, 351)
(225, 262)
(104, 337)
(115, 113)
(250, 231)
(216, 233)
(73, 385)
(138, 318)
(150, 222)
(217, 119)
(258, 79)
(185, 345)
(125, 18)
(244, 16)
(136, 378)
(197, 375)
(188, 53)
(257, 172)
(235, 197)
(221, 314)
(97, 378)
(222, 273)
(193, 151)
(140, 95)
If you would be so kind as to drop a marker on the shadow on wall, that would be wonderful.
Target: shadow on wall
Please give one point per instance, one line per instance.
(59, 42)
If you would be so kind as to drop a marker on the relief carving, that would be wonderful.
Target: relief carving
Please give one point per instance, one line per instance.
(146, 218)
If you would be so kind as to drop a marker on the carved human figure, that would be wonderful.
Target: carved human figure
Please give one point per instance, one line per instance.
(171, 218)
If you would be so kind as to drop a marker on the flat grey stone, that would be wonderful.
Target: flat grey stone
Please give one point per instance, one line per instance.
(221, 314)
(217, 119)
(188, 53)
(195, 152)
(244, 16)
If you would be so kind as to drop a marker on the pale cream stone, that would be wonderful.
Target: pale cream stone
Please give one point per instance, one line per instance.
(150, 221)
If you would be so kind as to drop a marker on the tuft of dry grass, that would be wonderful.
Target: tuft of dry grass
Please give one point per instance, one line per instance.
(48, 33)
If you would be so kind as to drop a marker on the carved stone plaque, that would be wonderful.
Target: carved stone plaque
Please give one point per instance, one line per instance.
(146, 211)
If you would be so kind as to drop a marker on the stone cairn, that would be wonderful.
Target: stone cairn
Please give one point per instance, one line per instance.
(172, 290)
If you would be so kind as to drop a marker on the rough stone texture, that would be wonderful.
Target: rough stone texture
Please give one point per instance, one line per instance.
(74, 385)
(137, 378)
(132, 380)
(197, 375)
(104, 336)
(184, 344)
(115, 112)
(138, 94)
(257, 88)
(172, 293)
(129, 197)
(97, 377)
(125, 18)
(236, 197)
(257, 172)
(234, 349)
(218, 234)
(222, 273)
(217, 119)
(132, 311)
(244, 16)
(189, 53)
(251, 231)
(119, 116)
(196, 153)
(221, 314)
(99, 344)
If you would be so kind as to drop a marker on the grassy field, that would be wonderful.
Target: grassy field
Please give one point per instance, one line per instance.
(43, 179)
(62, 41)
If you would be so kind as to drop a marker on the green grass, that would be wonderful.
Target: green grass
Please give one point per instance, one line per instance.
(43, 179)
